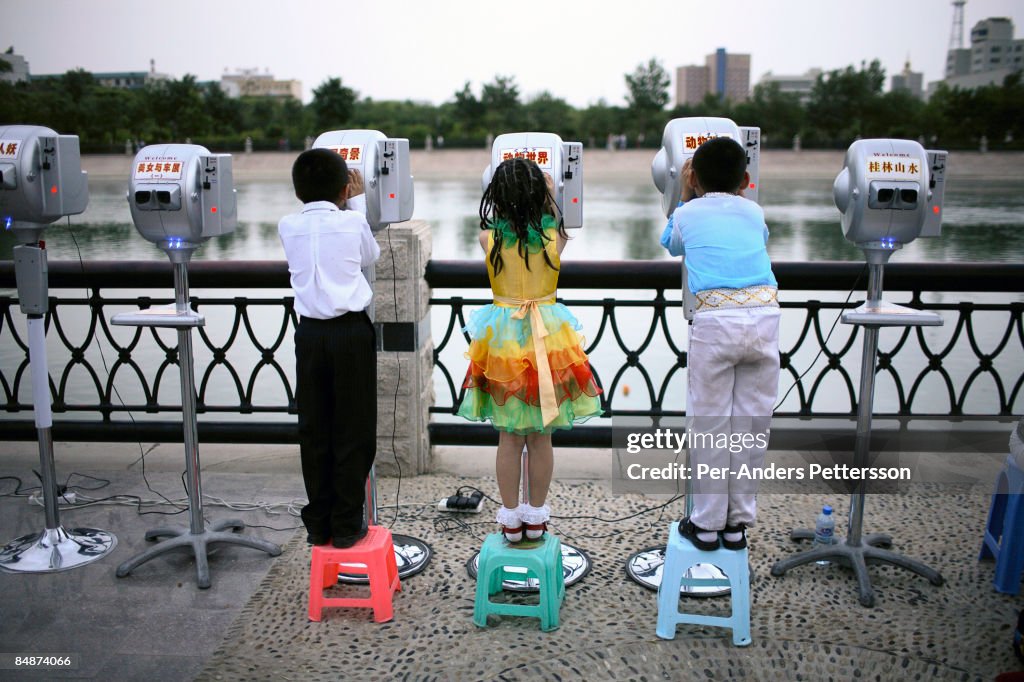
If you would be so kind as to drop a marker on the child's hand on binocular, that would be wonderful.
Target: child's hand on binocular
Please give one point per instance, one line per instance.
(687, 182)
(355, 183)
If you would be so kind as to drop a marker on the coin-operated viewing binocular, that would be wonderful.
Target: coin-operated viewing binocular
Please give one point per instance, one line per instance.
(563, 161)
(180, 195)
(41, 177)
(889, 193)
(679, 143)
(384, 164)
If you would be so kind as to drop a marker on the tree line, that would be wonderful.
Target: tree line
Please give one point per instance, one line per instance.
(843, 105)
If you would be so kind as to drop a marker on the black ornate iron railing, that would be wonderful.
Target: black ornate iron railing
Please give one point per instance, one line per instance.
(122, 418)
(259, 326)
(661, 277)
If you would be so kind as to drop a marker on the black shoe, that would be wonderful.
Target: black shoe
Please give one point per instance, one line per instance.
(689, 531)
(316, 539)
(346, 541)
(737, 544)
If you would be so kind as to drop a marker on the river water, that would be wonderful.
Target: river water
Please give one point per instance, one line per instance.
(983, 221)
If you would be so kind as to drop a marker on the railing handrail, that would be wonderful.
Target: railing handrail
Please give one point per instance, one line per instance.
(616, 274)
(794, 275)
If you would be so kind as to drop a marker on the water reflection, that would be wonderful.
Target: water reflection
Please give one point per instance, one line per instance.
(982, 222)
(639, 245)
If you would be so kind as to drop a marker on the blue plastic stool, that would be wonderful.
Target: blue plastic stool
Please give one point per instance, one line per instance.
(681, 555)
(542, 561)
(1004, 532)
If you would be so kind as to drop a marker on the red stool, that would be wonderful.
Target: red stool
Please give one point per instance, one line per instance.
(374, 557)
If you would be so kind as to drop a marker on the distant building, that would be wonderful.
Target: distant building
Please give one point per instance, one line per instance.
(726, 75)
(911, 81)
(729, 75)
(800, 86)
(958, 62)
(993, 55)
(691, 84)
(19, 67)
(124, 80)
(252, 83)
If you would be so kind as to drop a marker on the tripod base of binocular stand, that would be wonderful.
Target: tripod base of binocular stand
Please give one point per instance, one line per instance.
(223, 531)
(873, 549)
(56, 549)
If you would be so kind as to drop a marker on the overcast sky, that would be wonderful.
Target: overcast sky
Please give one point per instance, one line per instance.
(403, 49)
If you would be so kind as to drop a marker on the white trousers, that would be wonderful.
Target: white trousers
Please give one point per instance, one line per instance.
(733, 369)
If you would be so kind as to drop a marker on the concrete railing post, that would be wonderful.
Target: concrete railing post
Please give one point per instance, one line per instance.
(405, 350)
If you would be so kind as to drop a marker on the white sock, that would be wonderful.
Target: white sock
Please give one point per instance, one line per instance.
(534, 516)
(707, 535)
(732, 537)
(510, 518)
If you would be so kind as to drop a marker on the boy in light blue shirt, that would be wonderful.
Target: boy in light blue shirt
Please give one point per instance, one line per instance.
(733, 357)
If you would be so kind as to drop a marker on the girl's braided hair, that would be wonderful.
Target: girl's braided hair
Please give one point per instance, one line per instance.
(518, 193)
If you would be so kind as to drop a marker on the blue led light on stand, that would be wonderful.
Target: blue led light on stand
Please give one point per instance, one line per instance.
(8, 222)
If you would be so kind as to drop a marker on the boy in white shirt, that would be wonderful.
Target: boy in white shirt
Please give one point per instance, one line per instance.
(327, 247)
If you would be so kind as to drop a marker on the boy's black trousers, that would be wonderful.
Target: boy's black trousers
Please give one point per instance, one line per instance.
(336, 395)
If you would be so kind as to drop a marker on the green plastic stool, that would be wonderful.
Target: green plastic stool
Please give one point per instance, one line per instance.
(542, 560)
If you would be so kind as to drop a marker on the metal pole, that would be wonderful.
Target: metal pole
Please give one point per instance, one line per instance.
(196, 538)
(859, 550)
(188, 403)
(864, 409)
(525, 474)
(54, 548)
(44, 415)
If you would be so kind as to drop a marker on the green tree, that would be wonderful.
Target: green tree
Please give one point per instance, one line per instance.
(296, 121)
(225, 112)
(412, 120)
(599, 120)
(780, 115)
(899, 114)
(179, 109)
(547, 112)
(115, 111)
(501, 106)
(332, 105)
(846, 103)
(467, 111)
(647, 96)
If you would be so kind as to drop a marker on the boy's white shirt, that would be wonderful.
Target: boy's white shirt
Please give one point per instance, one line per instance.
(357, 203)
(327, 248)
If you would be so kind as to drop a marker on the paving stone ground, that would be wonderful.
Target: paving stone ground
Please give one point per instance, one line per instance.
(806, 625)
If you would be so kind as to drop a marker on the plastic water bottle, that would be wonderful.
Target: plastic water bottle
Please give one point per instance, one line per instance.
(824, 530)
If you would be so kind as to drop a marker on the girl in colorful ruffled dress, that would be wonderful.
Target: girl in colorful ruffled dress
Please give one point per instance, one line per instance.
(528, 374)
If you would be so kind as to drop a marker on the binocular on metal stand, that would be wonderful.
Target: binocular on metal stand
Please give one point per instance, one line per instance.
(196, 537)
(645, 566)
(54, 548)
(575, 562)
(859, 550)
